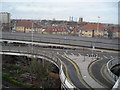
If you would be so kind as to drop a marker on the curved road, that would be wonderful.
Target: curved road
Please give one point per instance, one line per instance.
(71, 69)
(95, 70)
(73, 74)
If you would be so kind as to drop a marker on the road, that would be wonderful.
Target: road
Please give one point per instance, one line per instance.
(96, 72)
(71, 69)
(71, 40)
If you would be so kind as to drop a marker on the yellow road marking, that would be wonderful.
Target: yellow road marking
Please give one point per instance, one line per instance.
(78, 72)
(90, 72)
(68, 76)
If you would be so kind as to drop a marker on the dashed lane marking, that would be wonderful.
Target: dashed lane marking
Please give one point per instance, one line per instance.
(72, 54)
(105, 56)
(79, 54)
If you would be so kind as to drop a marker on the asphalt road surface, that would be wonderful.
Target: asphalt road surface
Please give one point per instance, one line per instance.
(71, 70)
(58, 39)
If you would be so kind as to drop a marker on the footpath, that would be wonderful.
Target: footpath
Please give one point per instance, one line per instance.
(83, 63)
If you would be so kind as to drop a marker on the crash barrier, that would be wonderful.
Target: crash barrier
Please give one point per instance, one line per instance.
(110, 44)
(117, 85)
(35, 51)
(110, 64)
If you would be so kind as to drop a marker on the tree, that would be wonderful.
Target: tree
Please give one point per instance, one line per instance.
(110, 34)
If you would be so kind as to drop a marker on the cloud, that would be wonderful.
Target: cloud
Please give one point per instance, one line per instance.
(46, 10)
(62, 10)
(60, 0)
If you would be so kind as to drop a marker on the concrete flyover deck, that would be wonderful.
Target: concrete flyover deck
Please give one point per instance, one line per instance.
(72, 72)
(80, 81)
(111, 44)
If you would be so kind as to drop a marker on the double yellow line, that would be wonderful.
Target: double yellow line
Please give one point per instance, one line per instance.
(78, 72)
(90, 72)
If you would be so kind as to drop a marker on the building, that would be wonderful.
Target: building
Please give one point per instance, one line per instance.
(80, 20)
(28, 26)
(56, 31)
(4, 17)
(92, 30)
(113, 31)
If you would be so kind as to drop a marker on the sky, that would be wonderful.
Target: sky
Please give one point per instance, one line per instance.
(89, 10)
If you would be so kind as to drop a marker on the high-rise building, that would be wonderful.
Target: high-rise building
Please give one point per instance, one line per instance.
(80, 19)
(4, 17)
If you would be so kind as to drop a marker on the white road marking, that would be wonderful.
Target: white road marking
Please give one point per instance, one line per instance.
(105, 56)
(57, 52)
(112, 57)
(64, 53)
(79, 54)
(72, 54)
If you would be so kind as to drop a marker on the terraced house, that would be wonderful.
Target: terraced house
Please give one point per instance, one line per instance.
(56, 31)
(114, 31)
(28, 26)
(92, 30)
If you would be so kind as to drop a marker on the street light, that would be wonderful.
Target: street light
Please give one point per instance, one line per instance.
(32, 36)
(98, 24)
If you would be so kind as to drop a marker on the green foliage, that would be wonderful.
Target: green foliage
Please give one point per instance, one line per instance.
(7, 77)
(38, 68)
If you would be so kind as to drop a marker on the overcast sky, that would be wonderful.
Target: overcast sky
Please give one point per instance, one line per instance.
(62, 9)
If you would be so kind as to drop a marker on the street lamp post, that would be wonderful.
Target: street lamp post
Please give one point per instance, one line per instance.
(84, 53)
(98, 25)
(32, 36)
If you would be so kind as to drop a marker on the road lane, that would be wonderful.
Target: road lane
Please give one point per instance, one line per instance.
(95, 72)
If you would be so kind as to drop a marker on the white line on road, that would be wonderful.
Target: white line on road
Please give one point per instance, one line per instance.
(112, 57)
(57, 52)
(79, 54)
(72, 54)
(105, 56)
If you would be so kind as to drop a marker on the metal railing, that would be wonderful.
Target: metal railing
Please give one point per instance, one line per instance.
(36, 51)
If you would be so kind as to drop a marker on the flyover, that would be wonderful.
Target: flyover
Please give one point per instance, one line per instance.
(68, 73)
(27, 49)
(110, 44)
(13, 48)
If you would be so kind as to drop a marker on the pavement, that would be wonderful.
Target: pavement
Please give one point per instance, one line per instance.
(83, 64)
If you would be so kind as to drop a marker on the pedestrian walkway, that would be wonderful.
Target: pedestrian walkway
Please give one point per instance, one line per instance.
(83, 63)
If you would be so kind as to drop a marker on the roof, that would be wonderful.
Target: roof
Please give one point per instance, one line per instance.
(77, 29)
(114, 28)
(26, 23)
(55, 30)
(90, 27)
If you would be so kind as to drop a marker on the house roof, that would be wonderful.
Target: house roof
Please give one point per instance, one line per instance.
(55, 30)
(95, 26)
(26, 23)
(115, 28)
(77, 29)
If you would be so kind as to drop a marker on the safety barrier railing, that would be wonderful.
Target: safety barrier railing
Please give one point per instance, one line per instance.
(110, 64)
(35, 50)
